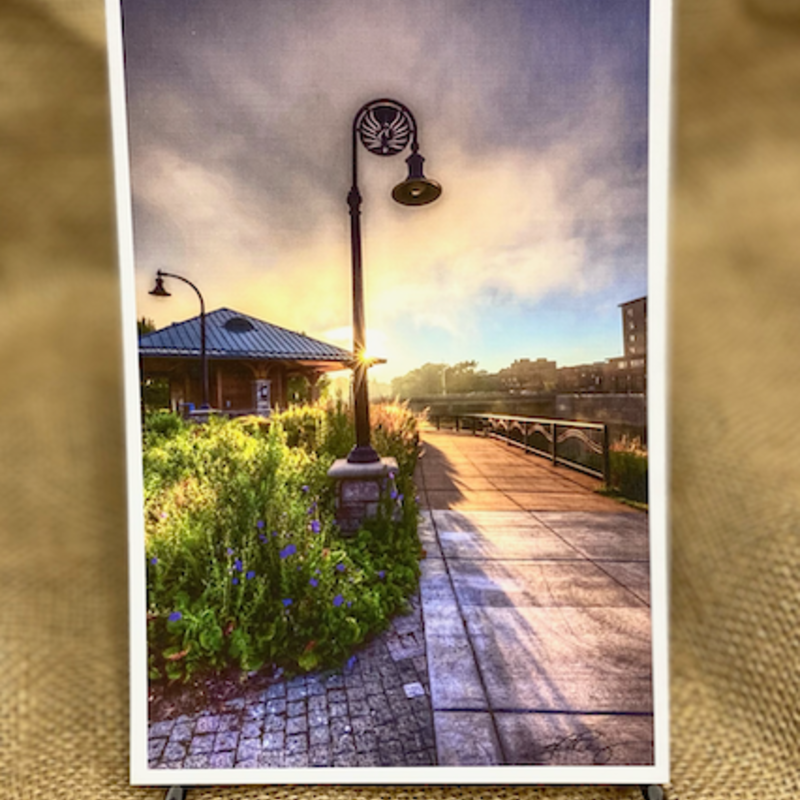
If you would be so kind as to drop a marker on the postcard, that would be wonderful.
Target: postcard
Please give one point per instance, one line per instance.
(394, 295)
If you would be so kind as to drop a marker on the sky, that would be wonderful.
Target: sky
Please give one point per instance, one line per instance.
(532, 115)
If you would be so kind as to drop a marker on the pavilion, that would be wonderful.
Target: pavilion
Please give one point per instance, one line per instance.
(250, 362)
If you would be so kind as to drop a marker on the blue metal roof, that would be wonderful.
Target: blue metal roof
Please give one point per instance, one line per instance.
(244, 337)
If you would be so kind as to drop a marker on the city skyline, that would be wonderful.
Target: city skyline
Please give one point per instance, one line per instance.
(533, 117)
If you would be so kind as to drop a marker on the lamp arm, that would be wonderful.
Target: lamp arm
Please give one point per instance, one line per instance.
(162, 274)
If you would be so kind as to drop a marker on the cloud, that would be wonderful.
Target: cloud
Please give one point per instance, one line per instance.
(532, 116)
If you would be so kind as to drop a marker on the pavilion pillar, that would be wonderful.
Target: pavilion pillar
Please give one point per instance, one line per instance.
(313, 385)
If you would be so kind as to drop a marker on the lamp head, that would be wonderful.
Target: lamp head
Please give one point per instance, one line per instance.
(416, 189)
(159, 290)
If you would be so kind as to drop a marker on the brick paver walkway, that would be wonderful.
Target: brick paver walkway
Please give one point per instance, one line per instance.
(376, 712)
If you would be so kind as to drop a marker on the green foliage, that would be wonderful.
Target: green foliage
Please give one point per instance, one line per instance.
(145, 326)
(433, 379)
(628, 462)
(245, 564)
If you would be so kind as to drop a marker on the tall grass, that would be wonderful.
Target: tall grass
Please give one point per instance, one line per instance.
(628, 463)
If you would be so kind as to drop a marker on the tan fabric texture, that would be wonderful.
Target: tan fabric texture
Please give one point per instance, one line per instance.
(735, 316)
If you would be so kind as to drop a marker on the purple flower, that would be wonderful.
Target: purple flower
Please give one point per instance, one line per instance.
(382, 574)
(400, 498)
(237, 565)
(287, 602)
(314, 582)
(312, 508)
(351, 662)
(340, 567)
(262, 537)
(274, 533)
(287, 551)
(315, 526)
(175, 616)
(260, 523)
(317, 572)
(394, 494)
(154, 561)
(349, 603)
(229, 551)
(250, 574)
(304, 488)
(392, 474)
(338, 600)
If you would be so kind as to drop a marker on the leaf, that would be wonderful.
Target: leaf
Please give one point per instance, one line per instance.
(173, 654)
(308, 660)
(211, 638)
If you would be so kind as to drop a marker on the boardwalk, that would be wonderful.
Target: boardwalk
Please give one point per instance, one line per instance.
(536, 610)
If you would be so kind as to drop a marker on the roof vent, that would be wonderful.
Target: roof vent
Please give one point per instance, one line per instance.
(239, 325)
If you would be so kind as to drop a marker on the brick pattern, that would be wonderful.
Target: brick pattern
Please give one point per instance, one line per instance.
(374, 712)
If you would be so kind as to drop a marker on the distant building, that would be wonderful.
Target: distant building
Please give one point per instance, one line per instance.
(622, 374)
(525, 375)
(634, 328)
(629, 373)
(250, 362)
(582, 378)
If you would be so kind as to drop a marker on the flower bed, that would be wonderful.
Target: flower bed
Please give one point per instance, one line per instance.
(245, 564)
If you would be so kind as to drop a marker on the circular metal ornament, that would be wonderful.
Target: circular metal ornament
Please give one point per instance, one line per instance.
(384, 129)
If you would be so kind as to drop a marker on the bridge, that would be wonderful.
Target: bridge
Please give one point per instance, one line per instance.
(536, 609)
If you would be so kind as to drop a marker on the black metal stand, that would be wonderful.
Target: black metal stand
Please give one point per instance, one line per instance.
(650, 792)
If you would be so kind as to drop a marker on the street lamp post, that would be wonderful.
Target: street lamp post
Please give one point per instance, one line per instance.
(160, 291)
(385, 128)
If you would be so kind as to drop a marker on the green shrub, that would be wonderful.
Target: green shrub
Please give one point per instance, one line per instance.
(163, 423)
(628, 463)
(245, 564)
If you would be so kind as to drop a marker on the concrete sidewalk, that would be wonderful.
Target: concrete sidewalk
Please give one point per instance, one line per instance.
(535, 595)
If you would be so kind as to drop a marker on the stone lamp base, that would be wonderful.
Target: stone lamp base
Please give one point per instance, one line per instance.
(359, 489)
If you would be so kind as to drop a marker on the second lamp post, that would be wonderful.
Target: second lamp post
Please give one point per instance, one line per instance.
(160, 291)
(385, 128)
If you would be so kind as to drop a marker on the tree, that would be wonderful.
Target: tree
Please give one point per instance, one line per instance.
(441, 379)
(145, 326)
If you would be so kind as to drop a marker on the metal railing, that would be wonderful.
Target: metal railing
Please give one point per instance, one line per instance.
(583, 446)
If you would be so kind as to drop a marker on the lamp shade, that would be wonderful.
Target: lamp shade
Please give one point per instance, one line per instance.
(416, 189)
(159, 290)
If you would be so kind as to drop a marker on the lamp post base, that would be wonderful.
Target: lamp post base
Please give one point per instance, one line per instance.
(360, 486)
(363, 454)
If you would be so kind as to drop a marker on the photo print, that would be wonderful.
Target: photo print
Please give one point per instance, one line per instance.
(393, 281)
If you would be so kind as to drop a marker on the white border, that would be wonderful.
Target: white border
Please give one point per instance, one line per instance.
(660, 38)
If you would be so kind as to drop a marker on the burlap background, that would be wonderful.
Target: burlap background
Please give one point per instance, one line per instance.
(736, 471)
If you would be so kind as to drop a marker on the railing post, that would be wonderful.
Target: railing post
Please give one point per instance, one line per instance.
(458, 423)
(606, 458)
(555, 445)
(438, 422)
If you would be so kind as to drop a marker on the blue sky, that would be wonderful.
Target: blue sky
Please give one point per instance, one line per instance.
(532, 115)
